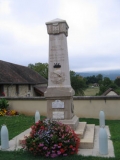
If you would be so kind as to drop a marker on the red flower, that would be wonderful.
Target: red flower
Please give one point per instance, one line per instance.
(70, 146)
(32, 127)
(42, 127)
(62, 150)
(60, 144)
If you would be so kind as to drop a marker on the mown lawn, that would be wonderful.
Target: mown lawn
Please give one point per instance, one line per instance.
(18, 124)
(91, 91)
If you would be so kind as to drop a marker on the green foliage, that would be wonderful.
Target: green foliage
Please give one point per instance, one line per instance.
(105, 85)
(41, 68)
(106, 82)
(99, 78)
(3, 103)
(21, 155)
(94, 79)
(78, 83)
(117, 82)
(117, 90)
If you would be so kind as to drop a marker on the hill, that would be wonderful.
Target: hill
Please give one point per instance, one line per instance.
(112, 74)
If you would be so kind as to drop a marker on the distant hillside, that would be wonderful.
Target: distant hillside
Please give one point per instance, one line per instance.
(112, 74)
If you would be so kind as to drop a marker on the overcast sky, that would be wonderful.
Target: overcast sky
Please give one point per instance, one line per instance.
(93, 36)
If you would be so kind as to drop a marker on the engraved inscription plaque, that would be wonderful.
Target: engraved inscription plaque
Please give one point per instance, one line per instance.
(58, 115)
(57, 104)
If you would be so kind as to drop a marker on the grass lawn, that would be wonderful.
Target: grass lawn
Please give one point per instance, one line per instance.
(18, 124)
(91, 91)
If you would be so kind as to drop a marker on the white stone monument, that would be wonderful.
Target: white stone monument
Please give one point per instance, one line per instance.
(59, 93)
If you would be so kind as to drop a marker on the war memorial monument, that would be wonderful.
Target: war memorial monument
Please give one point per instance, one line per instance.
(59, 93)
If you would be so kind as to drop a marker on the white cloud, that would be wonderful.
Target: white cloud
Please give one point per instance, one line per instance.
(28, 35)
(93, 36)
(5, 7)
(81, 17)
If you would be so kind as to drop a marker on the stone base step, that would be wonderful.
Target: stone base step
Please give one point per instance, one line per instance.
(80, 131)
(87, 142)
(73, 123)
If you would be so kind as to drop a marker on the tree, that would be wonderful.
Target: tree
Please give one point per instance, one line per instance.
(117, 82)
(91, 80)
(41, 68)
(105, 84)
(99, 78)
(78, 83)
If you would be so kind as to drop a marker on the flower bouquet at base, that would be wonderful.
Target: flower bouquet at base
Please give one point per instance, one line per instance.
(51, 139)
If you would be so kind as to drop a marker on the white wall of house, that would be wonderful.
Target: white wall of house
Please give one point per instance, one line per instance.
(23, 91)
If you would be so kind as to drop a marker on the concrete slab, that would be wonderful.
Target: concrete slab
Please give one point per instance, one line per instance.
(88, 140)
(95, 150)
(80, 131)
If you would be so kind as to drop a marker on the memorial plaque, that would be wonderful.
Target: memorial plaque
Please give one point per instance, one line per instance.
(57, 104)
(58, 115)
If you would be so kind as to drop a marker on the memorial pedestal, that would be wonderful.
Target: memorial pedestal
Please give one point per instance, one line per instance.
(60, 106)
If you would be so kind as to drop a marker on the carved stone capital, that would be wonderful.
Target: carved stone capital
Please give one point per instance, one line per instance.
(57, 26)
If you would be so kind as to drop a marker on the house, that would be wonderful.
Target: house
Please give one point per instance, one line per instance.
(20, 81)
(109, 92)
(96, 85)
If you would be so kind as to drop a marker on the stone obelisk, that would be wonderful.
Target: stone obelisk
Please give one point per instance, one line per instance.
(59, 93)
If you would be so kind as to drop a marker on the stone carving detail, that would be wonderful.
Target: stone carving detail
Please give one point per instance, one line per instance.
(55, 29)
(57, 76)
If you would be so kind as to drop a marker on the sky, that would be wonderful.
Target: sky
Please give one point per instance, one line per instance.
(93, 36)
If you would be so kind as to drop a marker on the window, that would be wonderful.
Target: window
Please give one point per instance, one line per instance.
(29, 87)
(17, 89)
(2, 90)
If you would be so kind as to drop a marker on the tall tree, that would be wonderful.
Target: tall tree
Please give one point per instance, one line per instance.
(105, 84)
(117, 82)
(78, 83)
(99, 78)
(41, 68)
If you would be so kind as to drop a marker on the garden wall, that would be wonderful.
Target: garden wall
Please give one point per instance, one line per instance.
(84, 107)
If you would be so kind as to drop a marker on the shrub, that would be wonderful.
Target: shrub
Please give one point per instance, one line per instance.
(51, 139)
(3, 103)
